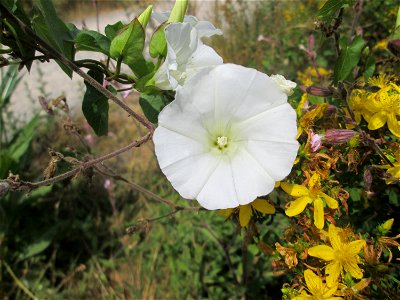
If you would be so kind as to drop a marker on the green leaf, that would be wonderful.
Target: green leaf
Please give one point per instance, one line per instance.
(95, 105)
(113, 30)
(36, 248)
(9, 82)
(369, 68)
(348, 59)
(90, 40)
(23, 139)
(5, 164)
(12, 35)
(158, 43)
(54, 31)
(152, 104)
(129, 45)
(330, 8)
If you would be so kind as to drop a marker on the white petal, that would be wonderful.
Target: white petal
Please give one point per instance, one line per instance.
(276, 124)
(251, 180)
(183, 119)
(206, 29)
(182, 147)
(191, 174)
(276, 158)
(219, 189)
(182, 40)
(161, 77)
(204, 56)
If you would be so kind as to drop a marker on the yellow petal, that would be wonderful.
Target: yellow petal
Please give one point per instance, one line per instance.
(294, 190)
(377, 120)
(319, 213)
(329, 291)
(354, 247)
(393, 125)
(333, 271)
(314, 181)
(394, 171)
(353, 269)
(314, 282)
(263, 206)
(334, 238)
(322, 251)
(332, 203)
(297, 206)
(244, 215)
(277, 184)
(226, 213)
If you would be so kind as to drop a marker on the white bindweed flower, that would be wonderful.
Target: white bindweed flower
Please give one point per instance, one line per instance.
(286, 85)
(186, 53)
(228, 136)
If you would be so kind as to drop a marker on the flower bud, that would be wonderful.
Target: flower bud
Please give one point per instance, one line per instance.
(394, 47)
(385, 227)
(178, 11)
(339, 136)
(286, 85)
(318, 91)
(145, 16)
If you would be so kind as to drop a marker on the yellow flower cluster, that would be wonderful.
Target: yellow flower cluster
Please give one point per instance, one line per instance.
(310, 76)
(380, 107)
(342, 256)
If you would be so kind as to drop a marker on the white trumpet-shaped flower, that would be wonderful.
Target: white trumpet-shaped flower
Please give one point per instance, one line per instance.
(228, 136)
(186, 53)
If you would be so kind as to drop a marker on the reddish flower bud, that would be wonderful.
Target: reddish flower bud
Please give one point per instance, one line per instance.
(339, 136)
(318, 91)
(394, 47)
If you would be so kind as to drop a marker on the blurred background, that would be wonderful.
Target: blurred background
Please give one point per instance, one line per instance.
(68, 240)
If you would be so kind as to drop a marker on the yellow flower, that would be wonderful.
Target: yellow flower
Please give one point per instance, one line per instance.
(381, 45)
(357, 104)
(307, 120)
(317, 288)
(246, 211)
(309, 76)
(312, 194)
(384, 105)
(342, 255)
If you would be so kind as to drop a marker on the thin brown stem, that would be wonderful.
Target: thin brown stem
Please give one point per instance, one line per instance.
(17, 185)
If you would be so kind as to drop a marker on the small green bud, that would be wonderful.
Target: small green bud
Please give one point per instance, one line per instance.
(385, 227)
(178, 11)
(145, 16)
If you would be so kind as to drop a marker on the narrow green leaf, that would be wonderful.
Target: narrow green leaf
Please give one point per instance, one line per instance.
(158, 43)
(151, 105)
(8, 84)
(95, 105)
(53, 30)
(36, 248)
(90, 40)
(369, 68)
(348, 59)
(23, 140)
